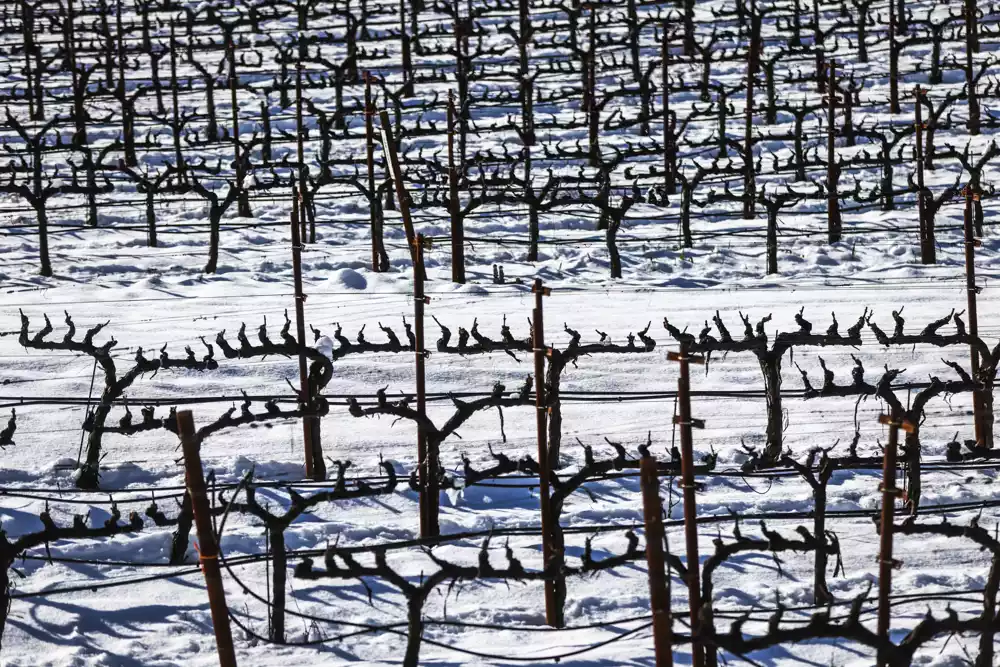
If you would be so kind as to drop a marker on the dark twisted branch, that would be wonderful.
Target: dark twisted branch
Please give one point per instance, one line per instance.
(10, 551)
(7, 434)
(342, 564)
(115, 385)
(277, 523)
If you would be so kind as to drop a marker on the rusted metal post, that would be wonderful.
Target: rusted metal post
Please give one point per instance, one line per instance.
(380, 260)
(208, 549)
(659, 582)
(553, 610)
(971, 290)
(885, 560)
(834, 230)
(454, 208)
(927, 249)
(685, 423)
(402, 196)
(427, 454)
(315, 466)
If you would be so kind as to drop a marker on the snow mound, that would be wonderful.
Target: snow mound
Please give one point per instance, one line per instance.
(350, 279)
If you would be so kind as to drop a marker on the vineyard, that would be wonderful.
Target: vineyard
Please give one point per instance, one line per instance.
(499, 332)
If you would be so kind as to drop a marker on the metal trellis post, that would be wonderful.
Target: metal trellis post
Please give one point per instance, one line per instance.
(659, 582)
(553, 610)
(686, 422)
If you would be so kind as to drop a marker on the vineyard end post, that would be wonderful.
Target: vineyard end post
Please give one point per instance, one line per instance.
(208, 549)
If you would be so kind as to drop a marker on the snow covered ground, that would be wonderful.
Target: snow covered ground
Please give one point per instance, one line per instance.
(156, 297)
(166, 621)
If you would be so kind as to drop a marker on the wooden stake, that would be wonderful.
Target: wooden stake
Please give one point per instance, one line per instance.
(208, 549)
(403, 198)
(659, 582)
(315, 467)
(889, 495)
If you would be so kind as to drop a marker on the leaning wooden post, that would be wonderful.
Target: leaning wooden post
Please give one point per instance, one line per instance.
(889, 495)
(685, 422)
(427, 456)
(208, 549)
(315, 466)
(659, 582)
(402, 197)
(454, 209)
(553, 609)
(971, 290)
